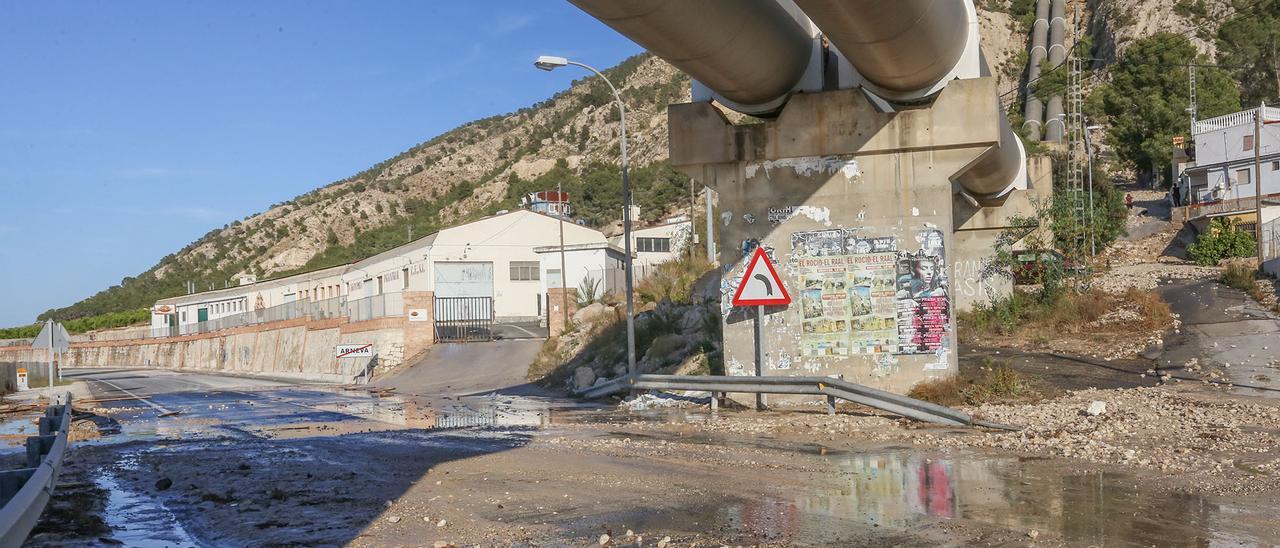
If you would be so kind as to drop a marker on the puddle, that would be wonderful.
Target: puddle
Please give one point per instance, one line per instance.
(136, 519)
(900, 490)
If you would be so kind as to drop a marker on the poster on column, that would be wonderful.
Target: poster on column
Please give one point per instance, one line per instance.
(824, 306)
(873, 323)
(923, 306)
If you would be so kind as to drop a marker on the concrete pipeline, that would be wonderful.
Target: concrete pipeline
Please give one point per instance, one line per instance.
(1055, 124)
(1034, 110)
(756, 52)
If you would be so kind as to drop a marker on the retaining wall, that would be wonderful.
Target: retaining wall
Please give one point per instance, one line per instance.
(300, 348)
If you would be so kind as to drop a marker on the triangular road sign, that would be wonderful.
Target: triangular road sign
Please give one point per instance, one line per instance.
(760, 284)
(53, 337)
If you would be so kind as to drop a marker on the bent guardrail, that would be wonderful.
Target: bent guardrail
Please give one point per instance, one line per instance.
(815, 386)
(25, 492)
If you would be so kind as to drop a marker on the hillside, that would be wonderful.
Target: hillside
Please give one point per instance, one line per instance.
(461, 174)
(484, 166)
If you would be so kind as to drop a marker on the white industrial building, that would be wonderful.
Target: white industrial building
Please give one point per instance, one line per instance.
(1223, 169)
(659, 244)
(497, 257)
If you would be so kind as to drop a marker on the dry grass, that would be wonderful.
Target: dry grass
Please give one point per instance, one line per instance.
(996, 382)
(673, 280)
(1071, 313)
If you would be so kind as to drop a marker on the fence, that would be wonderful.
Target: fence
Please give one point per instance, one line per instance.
(25, 492)
(464, 319)
(368, 308)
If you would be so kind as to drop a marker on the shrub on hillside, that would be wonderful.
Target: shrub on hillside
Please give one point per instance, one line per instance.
(673, 280)
(1223, 240)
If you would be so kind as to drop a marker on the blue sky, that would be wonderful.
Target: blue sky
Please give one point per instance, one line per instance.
(129, 129)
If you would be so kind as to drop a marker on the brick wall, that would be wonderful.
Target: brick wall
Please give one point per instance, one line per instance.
(419, 321)
(561, 301)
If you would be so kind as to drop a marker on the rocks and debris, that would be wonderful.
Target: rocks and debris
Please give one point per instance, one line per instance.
(1096, 408)
(659, 399)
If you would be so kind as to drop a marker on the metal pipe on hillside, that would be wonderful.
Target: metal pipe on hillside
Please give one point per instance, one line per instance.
(749, 51)
(1055, 121)
(1033, 113)
(907, 47)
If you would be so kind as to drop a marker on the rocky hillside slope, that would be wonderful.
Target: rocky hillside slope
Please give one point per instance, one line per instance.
(465, 173)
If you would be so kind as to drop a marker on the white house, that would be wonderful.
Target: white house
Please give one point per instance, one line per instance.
(659, 244)
(1224, 166)
(599, 267)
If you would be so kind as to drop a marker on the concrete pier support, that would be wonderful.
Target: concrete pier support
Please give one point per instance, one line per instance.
(859, 210)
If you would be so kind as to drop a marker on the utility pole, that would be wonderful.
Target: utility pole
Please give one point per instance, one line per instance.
(1191, 90)
(693, 234)
(564, 274)
(1076, 155)
(711, 243)
(1257, 179)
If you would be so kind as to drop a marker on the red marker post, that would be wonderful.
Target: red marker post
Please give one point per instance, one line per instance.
(760, 286)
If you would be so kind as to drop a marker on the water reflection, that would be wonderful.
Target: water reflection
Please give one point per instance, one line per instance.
(903, 488)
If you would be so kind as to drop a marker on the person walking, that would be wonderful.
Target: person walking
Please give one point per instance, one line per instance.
(1128, 201)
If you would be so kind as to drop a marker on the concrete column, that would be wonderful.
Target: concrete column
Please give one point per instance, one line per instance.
(860, 212)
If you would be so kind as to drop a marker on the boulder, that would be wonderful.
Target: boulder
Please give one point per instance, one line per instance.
(666, 348)
(583, 377)
(589, 314)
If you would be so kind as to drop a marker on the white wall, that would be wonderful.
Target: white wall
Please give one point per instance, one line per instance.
(677, 233)
(1227, 145)
(504, 239)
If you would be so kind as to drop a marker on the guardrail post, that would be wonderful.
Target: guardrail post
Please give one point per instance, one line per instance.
(831, 405)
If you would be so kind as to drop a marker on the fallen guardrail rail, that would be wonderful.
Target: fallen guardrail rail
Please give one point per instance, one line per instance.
(815, 386)
(25, 492)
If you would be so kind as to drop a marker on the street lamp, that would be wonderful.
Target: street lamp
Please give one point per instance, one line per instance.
(1088, 148)
(549, 63)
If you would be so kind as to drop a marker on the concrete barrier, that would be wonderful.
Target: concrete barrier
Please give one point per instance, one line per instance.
(302, 349)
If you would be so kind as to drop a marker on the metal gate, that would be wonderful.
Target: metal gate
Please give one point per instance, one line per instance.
(464, 319)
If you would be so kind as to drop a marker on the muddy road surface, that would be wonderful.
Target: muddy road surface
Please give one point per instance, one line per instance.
(196, 460)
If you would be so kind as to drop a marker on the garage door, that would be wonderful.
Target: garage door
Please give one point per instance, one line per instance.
(464, 279)
(464, 291)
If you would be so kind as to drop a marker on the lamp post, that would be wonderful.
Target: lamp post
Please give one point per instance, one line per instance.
(549, 63)
(1088, 149)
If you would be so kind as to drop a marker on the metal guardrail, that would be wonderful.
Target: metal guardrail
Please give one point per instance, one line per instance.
(814, 386)
(25, 492)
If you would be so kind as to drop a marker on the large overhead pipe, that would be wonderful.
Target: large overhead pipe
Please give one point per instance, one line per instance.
(908, 52)
(752, 53)
(1033, 113)
(1054, 122)
(904, 50)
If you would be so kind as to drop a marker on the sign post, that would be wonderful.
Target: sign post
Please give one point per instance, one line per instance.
(54, 338)
(760, 286)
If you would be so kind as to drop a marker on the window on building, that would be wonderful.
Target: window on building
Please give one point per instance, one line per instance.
(653, 245)
(1242, 177)
(404, 278)
(1248, 142)
(524, 271)
(1275, 166)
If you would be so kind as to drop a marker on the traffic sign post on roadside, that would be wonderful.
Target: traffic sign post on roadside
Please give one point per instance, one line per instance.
(54, 338)
(759, 287)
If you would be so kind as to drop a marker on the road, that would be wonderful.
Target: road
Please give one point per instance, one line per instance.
(189, 459)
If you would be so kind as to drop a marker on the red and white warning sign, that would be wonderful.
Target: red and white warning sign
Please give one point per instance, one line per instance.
(760, 284)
